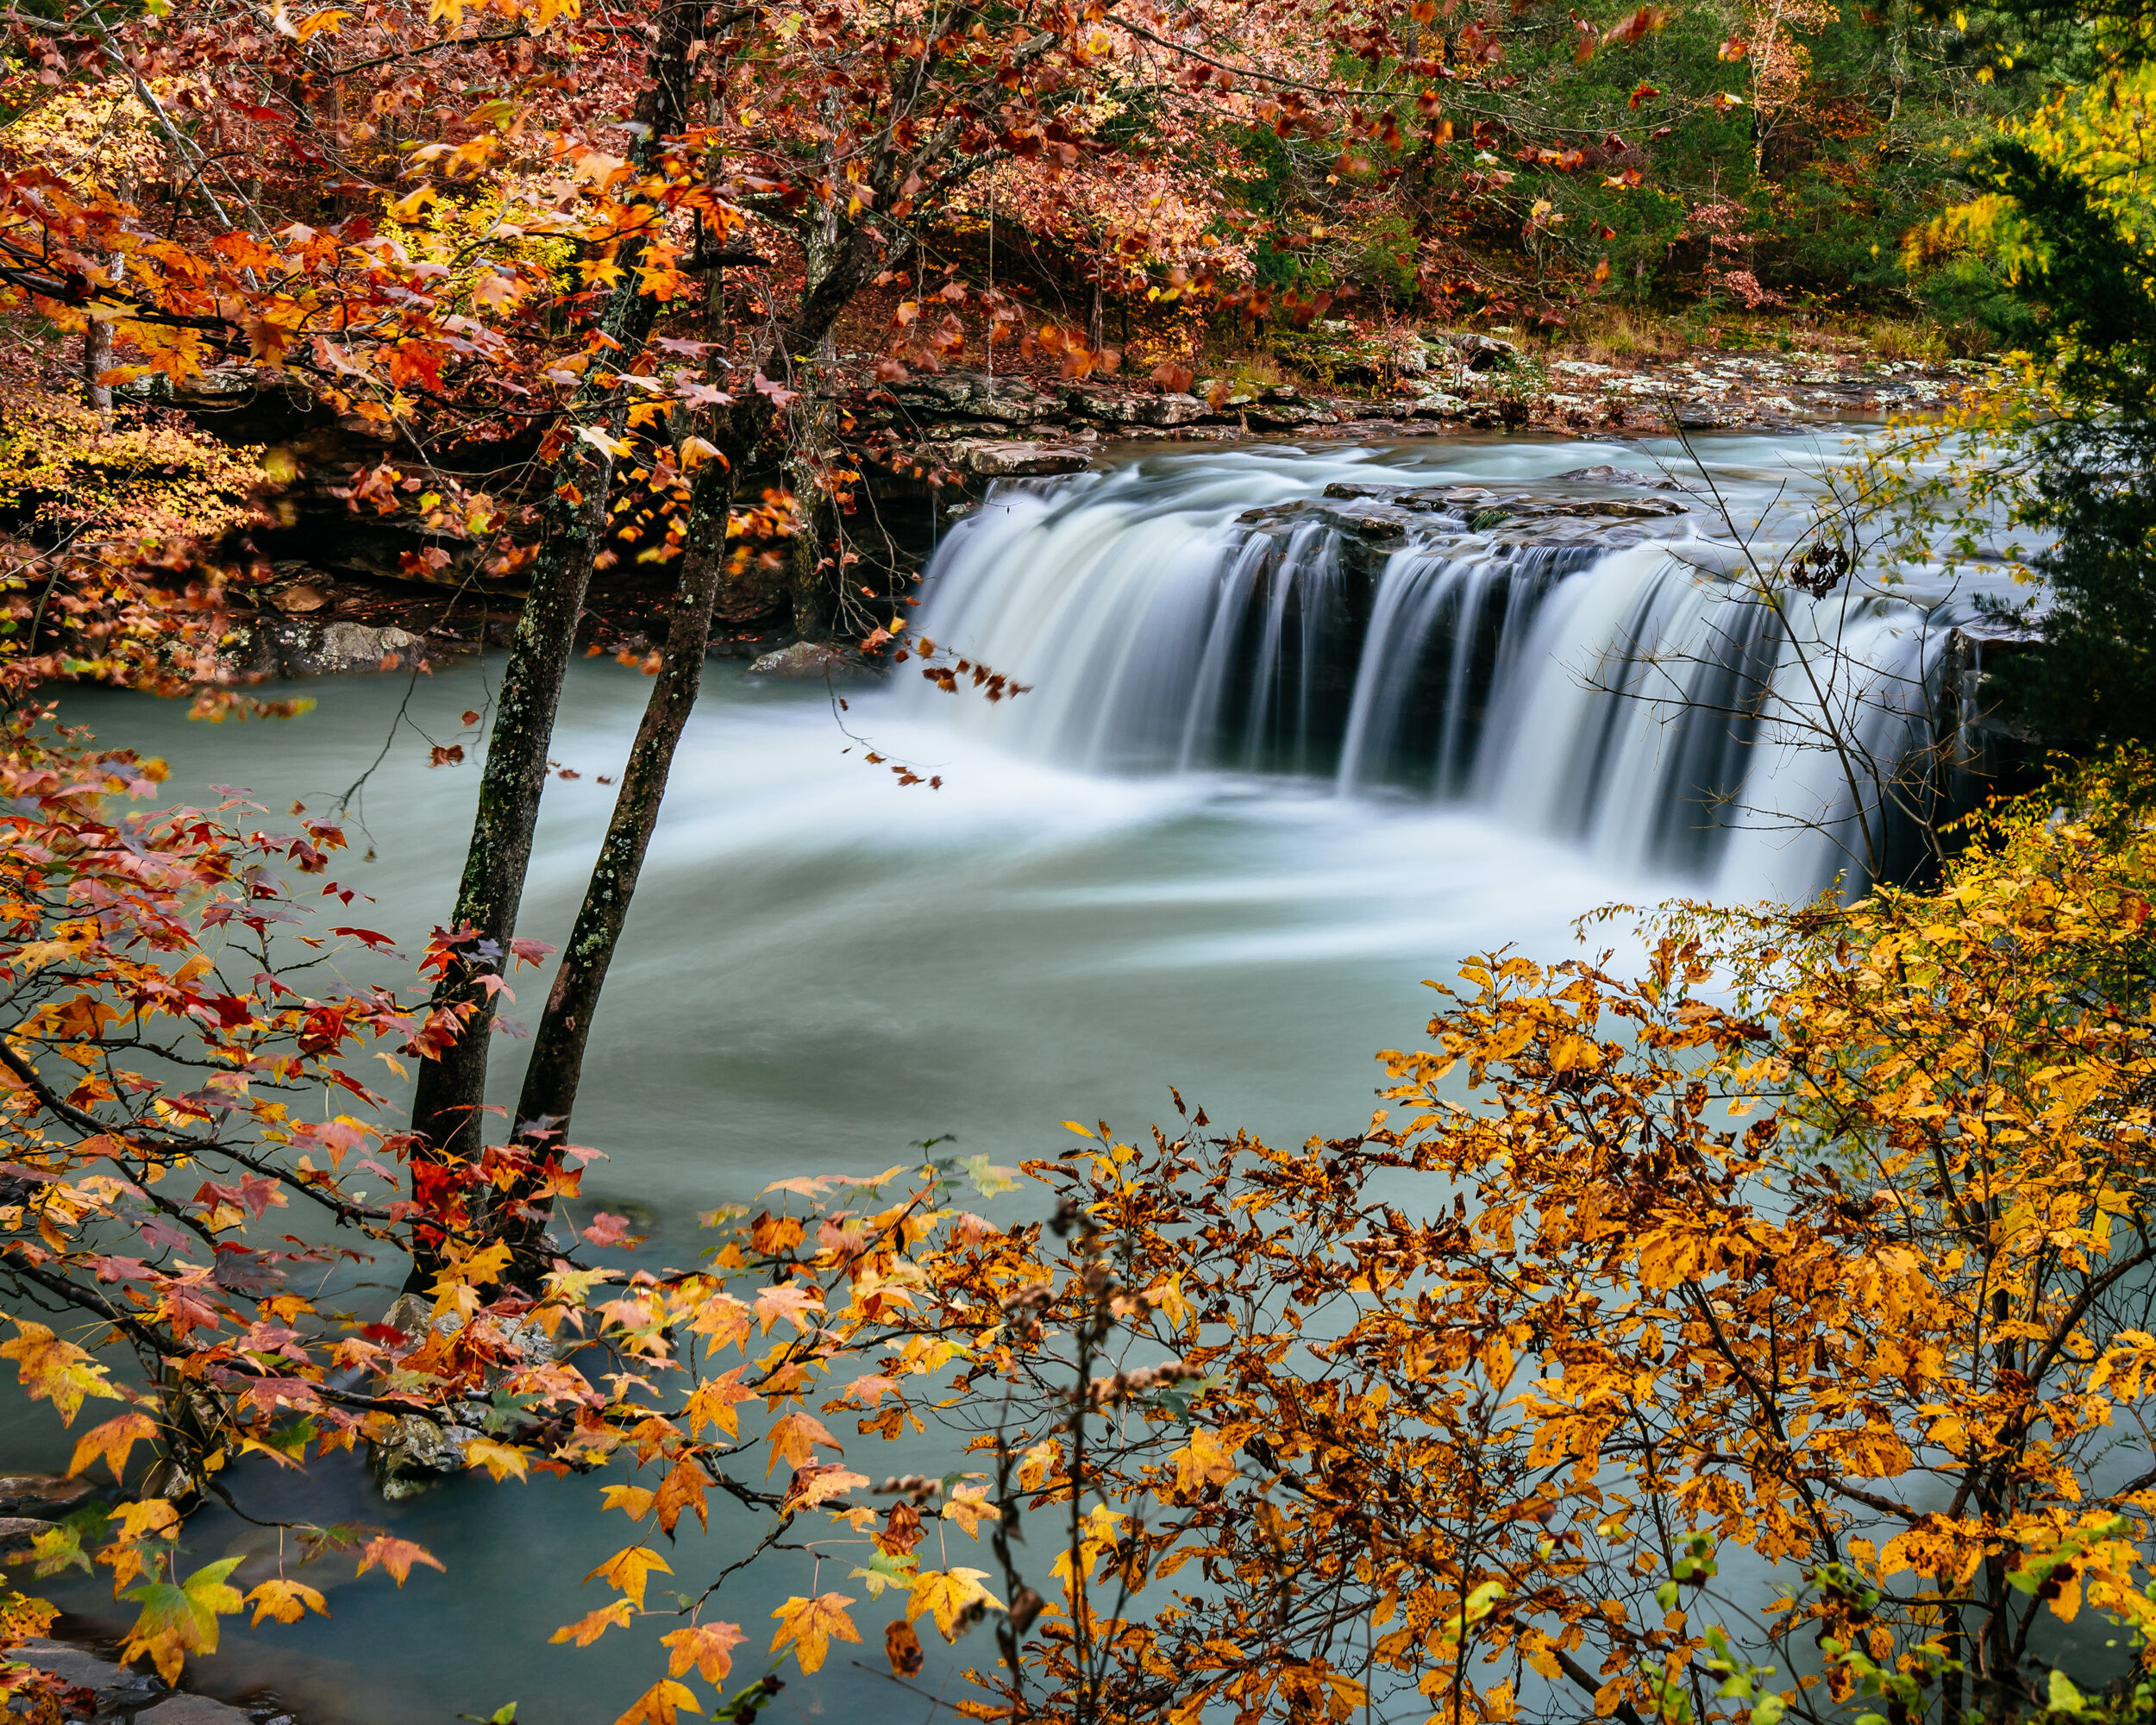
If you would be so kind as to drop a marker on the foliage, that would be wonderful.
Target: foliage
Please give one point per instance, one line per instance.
(1818, 1245)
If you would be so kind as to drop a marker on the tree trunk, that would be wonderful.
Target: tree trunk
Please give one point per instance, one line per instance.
(96, 359)
(556, 1066)
(451, 1090)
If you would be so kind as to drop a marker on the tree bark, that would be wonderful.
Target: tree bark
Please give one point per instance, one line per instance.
(96, 359)
(556, 1066)
(451, 1091)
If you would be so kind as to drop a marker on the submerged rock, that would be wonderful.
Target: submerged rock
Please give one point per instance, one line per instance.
(40, 1496)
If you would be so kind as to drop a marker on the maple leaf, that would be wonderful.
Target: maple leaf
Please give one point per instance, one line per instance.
(112, 1440)
(627, 1570)
(589, 1628)
(179, 1619)
(499, 1459)
(56, 1370)
(968, 1506)
(682, 1489)
(1203, 1461)
(818, 1482)
(633, 1500)
(947, 1595)
(813, 1625)
(286, 1601)
(789, 1300)
(661, 1705)
(708, 1646)
(712, 1403)
(396, 1556)
(793, 1437)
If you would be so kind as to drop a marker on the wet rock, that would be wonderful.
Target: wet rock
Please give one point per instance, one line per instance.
(41, 1496)
(194, 1709)
(296, 600)
(17, 1533)
(116, 1688)
(1436, 405)
(1604, 475)
(807, 660)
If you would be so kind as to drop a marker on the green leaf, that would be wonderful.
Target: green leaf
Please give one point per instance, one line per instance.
(2064, 1697)
(988, 1179)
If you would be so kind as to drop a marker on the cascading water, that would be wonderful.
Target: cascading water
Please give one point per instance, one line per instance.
(1592, 659)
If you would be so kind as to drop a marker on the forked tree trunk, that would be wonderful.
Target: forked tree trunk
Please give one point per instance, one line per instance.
(556, 1066)
(451, 1091)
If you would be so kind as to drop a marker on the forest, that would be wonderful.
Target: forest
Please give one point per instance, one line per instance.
(963, 562)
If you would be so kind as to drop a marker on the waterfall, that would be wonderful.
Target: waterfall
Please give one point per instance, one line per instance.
(1623, 686)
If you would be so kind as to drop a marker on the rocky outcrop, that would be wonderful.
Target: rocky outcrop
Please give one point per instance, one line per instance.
(298, 647)
(99, 1687)
(1391, 514)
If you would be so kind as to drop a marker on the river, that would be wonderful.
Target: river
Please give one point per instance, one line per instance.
(1189, 855)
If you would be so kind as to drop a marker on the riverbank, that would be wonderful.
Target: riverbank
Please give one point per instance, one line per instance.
(925, 444)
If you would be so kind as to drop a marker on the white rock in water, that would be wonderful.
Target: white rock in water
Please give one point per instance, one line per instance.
(806, 659)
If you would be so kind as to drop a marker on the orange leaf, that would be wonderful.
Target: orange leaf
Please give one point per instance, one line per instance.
(113, 1440)
(683, 1488)
(589, 1628)
(793, 1437)
(708, 1646)
(396, 1556)
(902, 1648)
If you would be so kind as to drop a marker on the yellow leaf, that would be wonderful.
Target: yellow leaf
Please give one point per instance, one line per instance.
(499, 1459)
(812, 1625)
(50, 1368)
(286, 1601)
(968, 1506)
(659, 1704)
(625, 1572)
(947, 1594)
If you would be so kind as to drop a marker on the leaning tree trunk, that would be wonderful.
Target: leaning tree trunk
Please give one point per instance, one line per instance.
(556, 1066)
(451, 1091)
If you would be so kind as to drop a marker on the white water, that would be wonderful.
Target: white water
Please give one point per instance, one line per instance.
(1137, 875)
(1636, 701)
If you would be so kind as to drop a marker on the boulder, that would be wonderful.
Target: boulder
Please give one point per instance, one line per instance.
(1436, 405)
(1479, 352)
(1171, 408)
(17, 1533)
(41, 1496)
(1000, 458)
(288, 647)
(807, 660)
(418, 1453)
